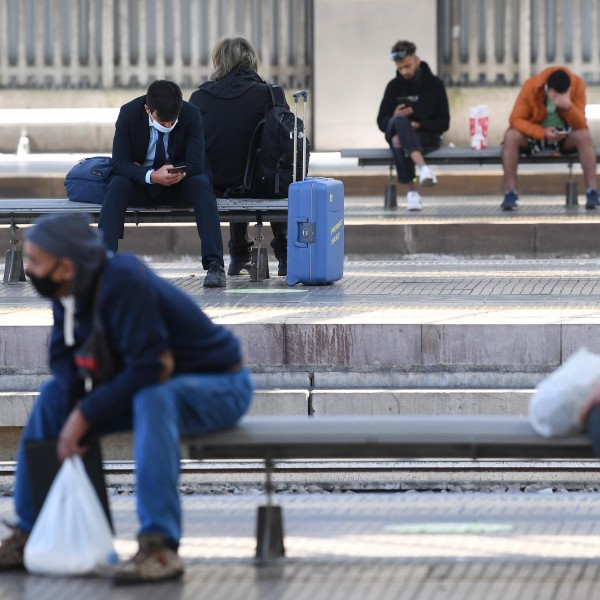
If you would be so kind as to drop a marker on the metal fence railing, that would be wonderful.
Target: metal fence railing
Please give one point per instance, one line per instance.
(496, 42)
(128, 43)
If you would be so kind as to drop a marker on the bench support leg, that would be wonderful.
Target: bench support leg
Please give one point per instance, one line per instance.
(391, 192)
(269, 525)
(14, 272)
(571, 189)
(259, 260)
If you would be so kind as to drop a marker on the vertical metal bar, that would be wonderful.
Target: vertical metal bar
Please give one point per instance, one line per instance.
(108, 43)
(205, 50)
(586, 30)
(445, 32)
(131, 31)
(83, 34)
(167, 32)
(48, 31)
(515, 29)
(256, 27)
(499, 25)
(275, 50)
(465, 30)
(65, 33)
(567, 32)
(151, 32)
(12, 32)
(534, 21)
(481, 32)
(308, 45)
(292, 37)
(186, 37)
(30, 33)
(550, 31)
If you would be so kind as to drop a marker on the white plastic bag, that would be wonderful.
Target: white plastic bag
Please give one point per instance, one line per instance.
(71, 535)
(555, 407)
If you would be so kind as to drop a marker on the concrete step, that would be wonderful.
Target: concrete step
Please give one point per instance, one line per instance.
(16, 406)
(361, 354)
(357, 182)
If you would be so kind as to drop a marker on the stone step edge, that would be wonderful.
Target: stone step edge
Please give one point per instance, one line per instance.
(15, 407)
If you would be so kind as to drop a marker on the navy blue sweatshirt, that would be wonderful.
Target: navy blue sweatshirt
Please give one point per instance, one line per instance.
(143, 315)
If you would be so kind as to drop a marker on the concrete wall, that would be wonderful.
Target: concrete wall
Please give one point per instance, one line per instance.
(352, 42)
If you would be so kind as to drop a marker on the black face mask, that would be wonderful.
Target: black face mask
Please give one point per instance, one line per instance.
(45, 286)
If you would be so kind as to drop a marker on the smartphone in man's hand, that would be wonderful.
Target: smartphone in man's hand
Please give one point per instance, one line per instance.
(178, 169)
(407, 100)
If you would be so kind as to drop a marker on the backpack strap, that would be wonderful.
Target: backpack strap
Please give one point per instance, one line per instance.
(251, 160)
(277, 99)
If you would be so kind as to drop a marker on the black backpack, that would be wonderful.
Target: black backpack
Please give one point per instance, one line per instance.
(270, 164)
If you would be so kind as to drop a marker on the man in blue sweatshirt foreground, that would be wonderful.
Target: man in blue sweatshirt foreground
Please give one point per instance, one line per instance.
(172, 372)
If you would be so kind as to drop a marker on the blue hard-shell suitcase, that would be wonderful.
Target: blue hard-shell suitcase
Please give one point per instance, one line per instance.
(315, 245)
(315, 231)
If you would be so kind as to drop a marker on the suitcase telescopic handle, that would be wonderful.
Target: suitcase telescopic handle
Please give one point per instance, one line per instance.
(297, 95)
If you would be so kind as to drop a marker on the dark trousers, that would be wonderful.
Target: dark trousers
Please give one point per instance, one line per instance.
(240, 244)
(411, 140)
(195, 191)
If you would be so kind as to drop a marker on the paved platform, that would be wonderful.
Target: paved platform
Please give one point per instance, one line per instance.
(426, 290)
(356, 546)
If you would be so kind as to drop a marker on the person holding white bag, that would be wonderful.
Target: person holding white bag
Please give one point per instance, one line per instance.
(128, 351)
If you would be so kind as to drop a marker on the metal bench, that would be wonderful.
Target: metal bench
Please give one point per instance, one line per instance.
(247, 210)
(370, 157)
(392, 438)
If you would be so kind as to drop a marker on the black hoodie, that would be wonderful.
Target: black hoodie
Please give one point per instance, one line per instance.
(430, 110)
(231, 108)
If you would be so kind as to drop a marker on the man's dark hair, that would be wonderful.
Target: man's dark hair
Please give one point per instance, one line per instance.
(559, 81)
(402, 49)
(166, 98)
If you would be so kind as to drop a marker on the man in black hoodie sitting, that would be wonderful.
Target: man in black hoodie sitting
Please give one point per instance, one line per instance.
(413, 115)
(232, 104)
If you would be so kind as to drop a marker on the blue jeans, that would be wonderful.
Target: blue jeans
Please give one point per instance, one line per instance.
(187, 404)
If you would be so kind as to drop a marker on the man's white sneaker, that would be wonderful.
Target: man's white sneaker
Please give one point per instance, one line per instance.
(414, 201)
(426, 176)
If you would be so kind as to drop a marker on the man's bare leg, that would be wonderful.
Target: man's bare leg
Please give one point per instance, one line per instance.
(511, 146)
(581, 140)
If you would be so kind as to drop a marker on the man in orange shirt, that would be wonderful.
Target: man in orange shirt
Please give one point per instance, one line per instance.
(549, 113)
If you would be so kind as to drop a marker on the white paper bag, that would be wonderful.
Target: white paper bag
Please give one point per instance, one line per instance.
(72, 535)
(555, 407)
(479, 117)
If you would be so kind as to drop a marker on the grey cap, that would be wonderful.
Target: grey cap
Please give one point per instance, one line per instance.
(68, 236)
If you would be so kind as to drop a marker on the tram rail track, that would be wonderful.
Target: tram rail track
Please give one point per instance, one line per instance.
(367, 475)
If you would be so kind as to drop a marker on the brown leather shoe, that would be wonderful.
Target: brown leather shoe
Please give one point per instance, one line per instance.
(155, 561)
(11, 550)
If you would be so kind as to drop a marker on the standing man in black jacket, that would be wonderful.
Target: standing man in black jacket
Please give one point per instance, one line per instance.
(413, 115)
(232, 104)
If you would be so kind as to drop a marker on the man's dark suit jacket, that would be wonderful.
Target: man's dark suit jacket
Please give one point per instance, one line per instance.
(132, 136)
